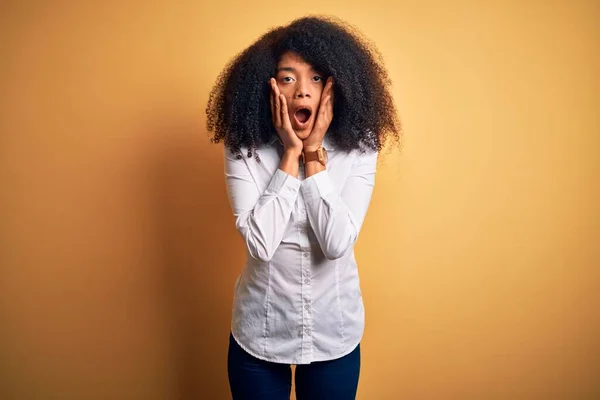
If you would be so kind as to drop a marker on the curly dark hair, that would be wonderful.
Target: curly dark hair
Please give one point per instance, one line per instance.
(238, 108)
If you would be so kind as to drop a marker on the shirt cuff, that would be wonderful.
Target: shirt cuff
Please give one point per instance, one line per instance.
(318, 185)
(284, 184)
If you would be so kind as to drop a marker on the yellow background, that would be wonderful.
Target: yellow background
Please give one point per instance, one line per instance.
(479, 258)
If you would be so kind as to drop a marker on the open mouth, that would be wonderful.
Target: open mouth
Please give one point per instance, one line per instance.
(302, 115)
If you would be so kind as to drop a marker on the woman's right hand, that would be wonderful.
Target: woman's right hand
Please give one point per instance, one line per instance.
(281, 120)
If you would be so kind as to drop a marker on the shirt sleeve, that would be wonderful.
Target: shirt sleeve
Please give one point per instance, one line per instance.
(261, 220)
(337, 218)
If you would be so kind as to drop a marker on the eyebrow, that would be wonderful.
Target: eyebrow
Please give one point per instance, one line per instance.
(292, 69)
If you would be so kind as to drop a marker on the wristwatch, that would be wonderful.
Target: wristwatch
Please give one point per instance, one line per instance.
(319, 155)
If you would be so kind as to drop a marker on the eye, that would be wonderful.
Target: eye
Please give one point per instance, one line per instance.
(317, 78)
(287, 77)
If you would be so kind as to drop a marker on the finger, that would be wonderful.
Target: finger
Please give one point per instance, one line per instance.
(271, 99)
(285, 118)
(324, 114)
(280, 120)
(277, 114)
(325, 105)
(330, 107)
(325, 90)
(320, 113)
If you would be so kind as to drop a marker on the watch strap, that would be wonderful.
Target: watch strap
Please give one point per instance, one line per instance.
(310, 156)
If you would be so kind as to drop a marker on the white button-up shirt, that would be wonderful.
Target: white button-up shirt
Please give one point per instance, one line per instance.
(298, 299)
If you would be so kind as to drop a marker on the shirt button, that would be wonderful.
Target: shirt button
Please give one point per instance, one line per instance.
(303, 231)
(307, 281)
(307, 331)
(306, 306)
(305, 255)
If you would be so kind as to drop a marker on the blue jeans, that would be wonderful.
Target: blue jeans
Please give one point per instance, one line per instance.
(251, 378)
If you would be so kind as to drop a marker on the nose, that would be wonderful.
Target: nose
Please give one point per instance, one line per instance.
(302, 89)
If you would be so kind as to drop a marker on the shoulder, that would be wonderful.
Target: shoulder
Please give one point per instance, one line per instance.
(366, 155)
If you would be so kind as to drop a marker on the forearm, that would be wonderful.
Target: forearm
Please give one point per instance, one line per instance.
(336, 218)
(313, 167)
(261, 216)
(290, 162)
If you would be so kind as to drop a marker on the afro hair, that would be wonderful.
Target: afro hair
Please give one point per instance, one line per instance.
(238, 110)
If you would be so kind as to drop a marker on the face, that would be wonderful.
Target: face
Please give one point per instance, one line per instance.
(302, 86)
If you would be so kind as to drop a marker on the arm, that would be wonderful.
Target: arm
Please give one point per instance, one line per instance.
(261, 220)
(337, 218)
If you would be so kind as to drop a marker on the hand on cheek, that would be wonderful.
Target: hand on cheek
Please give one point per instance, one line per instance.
(281, 119)
(323, 118)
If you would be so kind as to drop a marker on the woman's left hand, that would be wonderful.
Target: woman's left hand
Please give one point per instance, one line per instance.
(323, 119)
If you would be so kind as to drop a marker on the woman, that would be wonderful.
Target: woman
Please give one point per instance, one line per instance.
(304, 113)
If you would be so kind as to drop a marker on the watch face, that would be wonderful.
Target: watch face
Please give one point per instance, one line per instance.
(322, 155)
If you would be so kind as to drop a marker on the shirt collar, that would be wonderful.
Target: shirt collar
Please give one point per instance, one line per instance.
(327, 143)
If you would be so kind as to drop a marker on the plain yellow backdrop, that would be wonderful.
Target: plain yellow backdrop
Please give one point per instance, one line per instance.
(479, 258)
